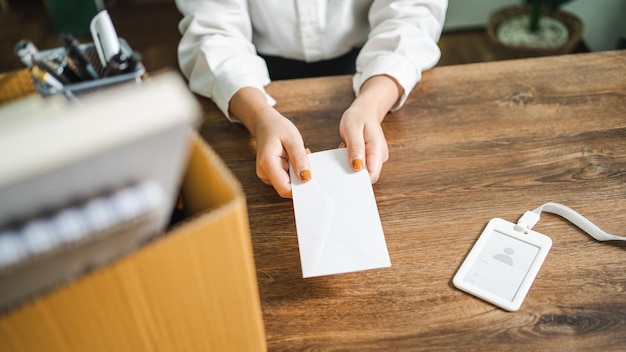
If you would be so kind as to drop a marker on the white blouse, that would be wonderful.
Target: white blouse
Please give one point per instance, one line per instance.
(217, 52)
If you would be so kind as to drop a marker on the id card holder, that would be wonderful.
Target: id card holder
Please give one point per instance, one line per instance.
(503, 264)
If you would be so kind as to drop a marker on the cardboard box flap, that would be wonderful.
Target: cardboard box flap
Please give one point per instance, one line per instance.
(193, 289)
(205, 186)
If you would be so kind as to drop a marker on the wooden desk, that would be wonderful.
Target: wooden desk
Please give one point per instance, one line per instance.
(472, 143)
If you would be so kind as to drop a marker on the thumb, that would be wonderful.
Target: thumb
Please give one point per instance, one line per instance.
(299, 161)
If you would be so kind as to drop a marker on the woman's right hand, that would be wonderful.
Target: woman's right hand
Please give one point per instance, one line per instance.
(278, 141)
(279, 144)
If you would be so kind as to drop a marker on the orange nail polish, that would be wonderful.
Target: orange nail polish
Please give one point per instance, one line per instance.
(305, 175)
(357, 164)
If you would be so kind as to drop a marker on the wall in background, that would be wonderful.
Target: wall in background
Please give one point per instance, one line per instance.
(604, 19)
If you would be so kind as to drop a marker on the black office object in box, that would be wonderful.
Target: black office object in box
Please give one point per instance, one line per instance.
(91, 85)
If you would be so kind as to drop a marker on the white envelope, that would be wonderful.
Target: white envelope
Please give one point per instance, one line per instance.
(337, 220)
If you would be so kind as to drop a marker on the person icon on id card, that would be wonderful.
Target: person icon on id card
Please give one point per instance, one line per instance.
(506, 256)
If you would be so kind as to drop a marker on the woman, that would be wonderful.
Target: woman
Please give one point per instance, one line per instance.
(225, 42)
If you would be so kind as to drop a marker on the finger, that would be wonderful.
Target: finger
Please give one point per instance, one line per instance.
(356, 148)
(374, 166)
(274, 171)
(377, 153)
(279, 179)
(299, 161)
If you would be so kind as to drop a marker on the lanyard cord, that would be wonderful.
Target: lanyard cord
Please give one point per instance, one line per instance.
(529, 219)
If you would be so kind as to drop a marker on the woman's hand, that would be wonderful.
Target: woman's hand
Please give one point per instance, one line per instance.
(360, 125)
(363, 135)
(278, 141)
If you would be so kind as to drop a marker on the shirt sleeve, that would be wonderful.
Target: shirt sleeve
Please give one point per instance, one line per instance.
(216, 53)
(402, 42)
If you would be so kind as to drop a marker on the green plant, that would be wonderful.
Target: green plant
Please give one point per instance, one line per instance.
(536, 8)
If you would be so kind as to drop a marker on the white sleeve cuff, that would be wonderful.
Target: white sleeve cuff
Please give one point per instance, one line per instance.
(394, 65)
(224, 89)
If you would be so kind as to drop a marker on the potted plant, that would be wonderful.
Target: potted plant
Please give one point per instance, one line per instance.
(535, 28)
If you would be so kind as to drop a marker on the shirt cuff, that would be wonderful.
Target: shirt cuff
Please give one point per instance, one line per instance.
(394, 65)
(225, 87)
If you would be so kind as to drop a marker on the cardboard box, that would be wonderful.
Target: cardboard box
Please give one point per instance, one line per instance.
(192, 289)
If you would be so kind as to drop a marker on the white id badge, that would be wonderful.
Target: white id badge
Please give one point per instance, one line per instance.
(503, 264)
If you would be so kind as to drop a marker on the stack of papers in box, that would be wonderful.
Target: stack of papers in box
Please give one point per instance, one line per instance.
(84, 183)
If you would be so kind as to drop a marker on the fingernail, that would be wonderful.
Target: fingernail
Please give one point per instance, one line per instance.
(305, 175)
(357, 164)
(341, 145)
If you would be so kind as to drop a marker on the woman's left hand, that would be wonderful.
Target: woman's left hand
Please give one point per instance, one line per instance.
(360, 126)
(365, 140)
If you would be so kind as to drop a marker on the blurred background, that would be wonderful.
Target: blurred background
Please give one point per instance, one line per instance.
(151, 27)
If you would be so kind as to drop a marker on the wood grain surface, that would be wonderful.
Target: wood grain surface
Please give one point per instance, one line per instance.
(473, 142)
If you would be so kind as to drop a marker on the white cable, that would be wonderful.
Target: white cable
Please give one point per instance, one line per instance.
(529, 219)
